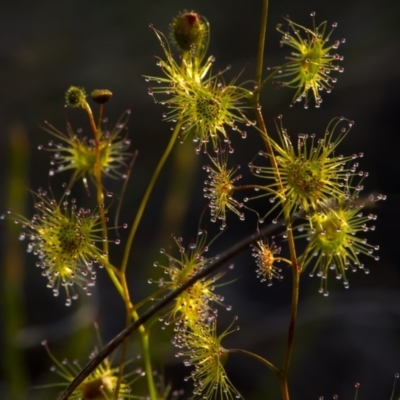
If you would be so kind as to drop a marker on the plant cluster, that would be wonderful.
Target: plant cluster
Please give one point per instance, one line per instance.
(303, 180)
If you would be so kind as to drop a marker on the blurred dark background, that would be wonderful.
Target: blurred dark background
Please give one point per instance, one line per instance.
(46, 46)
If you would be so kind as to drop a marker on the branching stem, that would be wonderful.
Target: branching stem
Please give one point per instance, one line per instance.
(286, 209)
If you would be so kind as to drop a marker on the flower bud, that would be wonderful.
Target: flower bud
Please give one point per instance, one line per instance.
(188, 29)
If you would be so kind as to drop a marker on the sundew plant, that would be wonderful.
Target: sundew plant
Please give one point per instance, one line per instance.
(302, 195)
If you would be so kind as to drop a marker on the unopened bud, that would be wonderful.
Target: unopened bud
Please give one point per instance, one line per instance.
(188, 29)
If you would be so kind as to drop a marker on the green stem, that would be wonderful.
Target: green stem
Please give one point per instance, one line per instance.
(97, 173)
(293, 258)
(120, 284)
(147, 363)
(146, 196)
(261, 46)
(100, 203)
(129, 306)
(122, 289)
(285, 260)
(286, 210)
(144, 335)
(262, 360)
(100, 118)
(124, 350)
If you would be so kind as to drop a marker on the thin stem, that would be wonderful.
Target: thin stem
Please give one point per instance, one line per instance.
(100, 118)
(291, 331)
(261, 46)
(114, 269)
(147, 361)
(144, 336)
(270, 150)
(122, 289)
(284, 389)
(120, 284)
(146, 196)
(262, 360)
(293, 258)
(97, 172)
(96, 131)
(394, 387)
(114, 275)
(128, 307)
(285, 260)
(286, 210)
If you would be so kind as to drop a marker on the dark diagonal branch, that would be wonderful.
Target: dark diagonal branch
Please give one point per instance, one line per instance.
(114, 343)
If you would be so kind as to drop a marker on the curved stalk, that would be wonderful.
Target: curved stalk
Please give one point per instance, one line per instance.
(146, 196)
(285, 260)
(260, 359)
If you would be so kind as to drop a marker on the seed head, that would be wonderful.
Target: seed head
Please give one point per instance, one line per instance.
(311, 63)
(101, 96)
